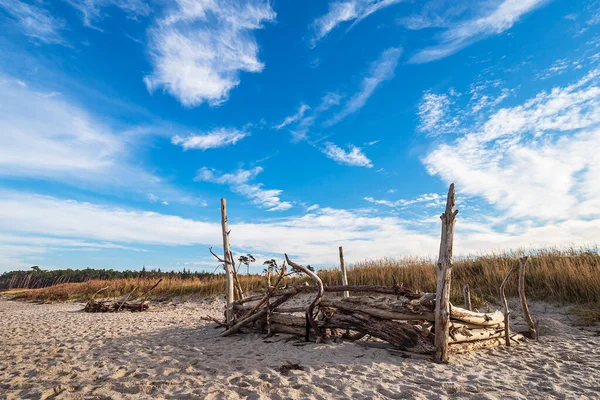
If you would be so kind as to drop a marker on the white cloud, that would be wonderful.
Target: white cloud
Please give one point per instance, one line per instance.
(92, 10)
(217, 138)
(536, 160)
(239, 182)
(54, 138)
(380, 71)
(199, 48)
(35, 21)
(433, 113)
(293, 118)
(354, 157)
(493, 21)
(312, 238)
(430, 200)
(343, 11)
(46, 135)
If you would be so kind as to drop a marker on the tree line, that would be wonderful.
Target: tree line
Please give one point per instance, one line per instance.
(38, 278)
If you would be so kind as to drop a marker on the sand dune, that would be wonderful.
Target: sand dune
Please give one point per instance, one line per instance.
(56, 351)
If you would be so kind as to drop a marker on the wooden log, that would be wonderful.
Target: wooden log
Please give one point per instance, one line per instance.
(526, 314)
(467, 295)
(476, 318)
(387, 314)
(344, 272)
(227, 264)
(505, 306)
(468, 335)
(320, 292)
(396, 290)
(454, 324)
(402, 335)
(444, 269)
(464, 347)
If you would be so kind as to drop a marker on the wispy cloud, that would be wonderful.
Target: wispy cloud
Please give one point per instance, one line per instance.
(344, 11)
(353, 156)
(221, 137)
(199, 49)
(92, 10)
(28, 230)
(433, 112)
(381, 70)
(543, 145)
(52, 137)
(293, 118)
(492, 21)
(240, 182)
(35, 21)
(429, 199)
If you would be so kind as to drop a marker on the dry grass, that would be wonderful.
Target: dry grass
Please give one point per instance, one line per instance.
(571, 276)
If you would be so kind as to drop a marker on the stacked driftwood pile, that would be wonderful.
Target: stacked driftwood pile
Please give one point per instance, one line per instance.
(396, 315)
(117, 305)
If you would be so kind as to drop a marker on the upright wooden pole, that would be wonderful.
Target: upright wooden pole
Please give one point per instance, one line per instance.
(226, 257)
(467, 294)
(344, 272)
(444, 269)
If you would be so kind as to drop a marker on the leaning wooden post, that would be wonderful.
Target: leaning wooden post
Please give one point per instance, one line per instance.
(344, 272)
(526, 315)
(467, 294)
(444, 269)
(505, 304)
(227, 264)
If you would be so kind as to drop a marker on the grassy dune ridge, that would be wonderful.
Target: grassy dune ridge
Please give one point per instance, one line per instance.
(563, 276)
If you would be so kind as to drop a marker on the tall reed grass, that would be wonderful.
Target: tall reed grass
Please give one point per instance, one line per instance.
(563, 276)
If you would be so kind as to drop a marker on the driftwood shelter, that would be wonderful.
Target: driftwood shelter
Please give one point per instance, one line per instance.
(404, 320)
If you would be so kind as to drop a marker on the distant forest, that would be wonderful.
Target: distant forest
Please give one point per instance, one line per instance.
(38, 278)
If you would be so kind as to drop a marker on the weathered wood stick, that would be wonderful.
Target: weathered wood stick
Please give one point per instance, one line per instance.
(254, 317)
(270, 293)
(444, 270)
(145, 296)
(467, 295)
(505, 305)
(526, 314)
(316, 301)
(126, 298)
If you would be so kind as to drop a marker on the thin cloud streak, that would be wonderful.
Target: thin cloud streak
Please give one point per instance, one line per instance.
(465, 33)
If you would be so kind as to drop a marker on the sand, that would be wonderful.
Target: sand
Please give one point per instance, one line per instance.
(56, 351)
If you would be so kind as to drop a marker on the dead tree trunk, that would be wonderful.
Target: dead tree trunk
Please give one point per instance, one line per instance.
(227, 263)
(526, 315)
(444, 269)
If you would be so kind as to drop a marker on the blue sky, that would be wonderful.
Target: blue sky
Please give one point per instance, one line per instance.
(323, 123)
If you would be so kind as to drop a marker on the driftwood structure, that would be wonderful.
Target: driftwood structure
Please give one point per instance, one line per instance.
(395, 316)
(94, 305)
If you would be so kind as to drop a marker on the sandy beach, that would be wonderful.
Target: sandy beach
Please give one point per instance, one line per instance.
(57, 351)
